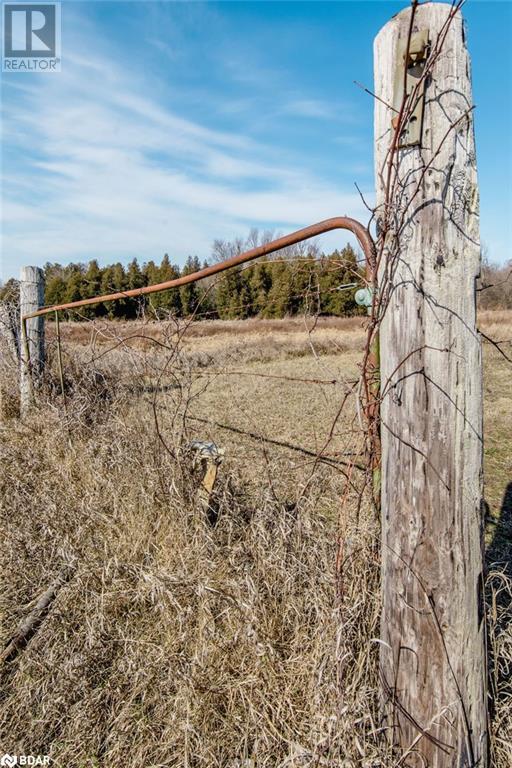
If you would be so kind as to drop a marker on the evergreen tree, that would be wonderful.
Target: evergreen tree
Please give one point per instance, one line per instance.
(336, 270)
(233, 295)
(134, 276)
(150, 273)
(304, 285)
(92, 279)
(134, 279)
(190, 294)
(90, 287)
(113, 280)
(280, 295)
(119, 309)
(55, 290)
(260, 280)
(151, 276)
(170, 300)
(75, 288)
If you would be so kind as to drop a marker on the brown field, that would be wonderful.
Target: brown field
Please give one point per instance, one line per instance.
(174, 642)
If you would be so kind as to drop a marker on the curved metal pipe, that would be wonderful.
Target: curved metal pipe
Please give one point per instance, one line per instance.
(338, 222)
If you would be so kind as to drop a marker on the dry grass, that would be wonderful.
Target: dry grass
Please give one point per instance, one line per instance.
(181, 644)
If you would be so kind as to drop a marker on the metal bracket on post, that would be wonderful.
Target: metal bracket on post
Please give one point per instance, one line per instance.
(412, 70)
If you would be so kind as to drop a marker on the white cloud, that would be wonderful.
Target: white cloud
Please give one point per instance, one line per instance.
(104, 170)
(310, 108)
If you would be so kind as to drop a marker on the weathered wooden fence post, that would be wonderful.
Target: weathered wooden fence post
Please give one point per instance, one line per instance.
(433, 662)
(32, 334)
(9, 352)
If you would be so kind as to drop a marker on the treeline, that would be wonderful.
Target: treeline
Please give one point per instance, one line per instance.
(297, 281)
(495, 286)
(290, 283)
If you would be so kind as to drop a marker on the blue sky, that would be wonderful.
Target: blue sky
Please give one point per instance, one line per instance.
(172, 124)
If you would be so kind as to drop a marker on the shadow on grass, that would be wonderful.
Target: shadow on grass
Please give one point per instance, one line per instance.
(498, 562)
(499, 551)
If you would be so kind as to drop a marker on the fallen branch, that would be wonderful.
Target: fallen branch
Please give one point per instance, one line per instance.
(31, 623)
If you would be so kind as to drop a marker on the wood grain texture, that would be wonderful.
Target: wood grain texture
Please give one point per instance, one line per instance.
(31, 299)
(9, 352)
(433, 663)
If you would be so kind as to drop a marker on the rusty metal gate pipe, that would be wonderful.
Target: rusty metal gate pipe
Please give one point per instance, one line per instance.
(370, 376)
(338, 222)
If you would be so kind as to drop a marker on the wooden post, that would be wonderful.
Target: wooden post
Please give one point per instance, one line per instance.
(433, 662)
(9, 354)
(32, 334)
(9, 330)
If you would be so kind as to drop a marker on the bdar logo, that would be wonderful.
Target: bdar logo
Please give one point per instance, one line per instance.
(9, 760)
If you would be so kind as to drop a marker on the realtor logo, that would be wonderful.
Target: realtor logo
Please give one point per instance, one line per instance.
(31, 37)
